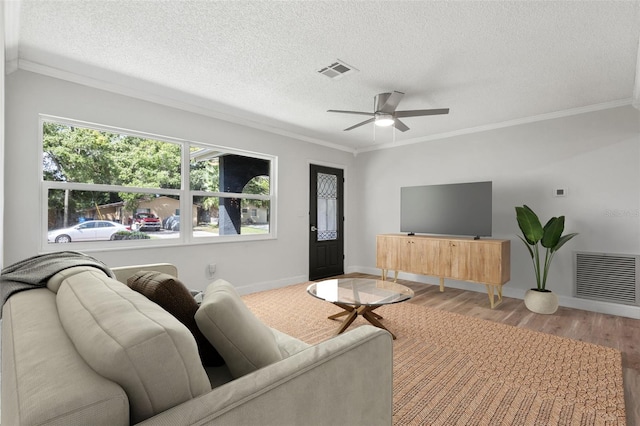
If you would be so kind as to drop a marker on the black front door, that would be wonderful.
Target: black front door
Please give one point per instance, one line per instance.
(326, 222)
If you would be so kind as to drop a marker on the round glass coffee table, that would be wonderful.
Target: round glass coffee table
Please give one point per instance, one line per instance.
(359, 296)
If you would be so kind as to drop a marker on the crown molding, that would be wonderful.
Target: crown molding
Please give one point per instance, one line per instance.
(11, 11)
(171, 98)
(508, 123)
(183, 101)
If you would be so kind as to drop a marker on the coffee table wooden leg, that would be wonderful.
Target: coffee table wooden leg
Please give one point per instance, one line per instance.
(371, 309)
(347, 322)
(352, 313)
(347, 310)
(338, 315)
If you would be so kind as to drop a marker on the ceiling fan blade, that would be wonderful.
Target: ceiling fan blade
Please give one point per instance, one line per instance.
(390, 103)
(352, 112)
(400, 125)
(421, 112)
(371, 120)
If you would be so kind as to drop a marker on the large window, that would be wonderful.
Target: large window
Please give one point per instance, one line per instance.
(105, 184)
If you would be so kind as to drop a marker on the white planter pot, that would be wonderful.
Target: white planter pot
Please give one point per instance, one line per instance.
(541, 302)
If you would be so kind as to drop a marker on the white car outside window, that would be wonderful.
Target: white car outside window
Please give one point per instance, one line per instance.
(92, 230)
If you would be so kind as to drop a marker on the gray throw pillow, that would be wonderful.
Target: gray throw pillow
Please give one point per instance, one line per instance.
(245, 342)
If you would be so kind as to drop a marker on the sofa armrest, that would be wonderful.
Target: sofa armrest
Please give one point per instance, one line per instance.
(344, 380)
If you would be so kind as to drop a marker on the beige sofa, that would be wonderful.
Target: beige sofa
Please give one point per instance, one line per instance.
(89, 350)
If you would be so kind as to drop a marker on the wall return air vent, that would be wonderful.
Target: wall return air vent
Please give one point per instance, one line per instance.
(608, 277)
(337, 70)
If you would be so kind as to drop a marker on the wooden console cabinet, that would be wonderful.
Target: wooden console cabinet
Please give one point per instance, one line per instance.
(482, 261)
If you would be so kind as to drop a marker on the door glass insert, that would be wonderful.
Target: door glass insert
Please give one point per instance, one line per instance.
(327, 207)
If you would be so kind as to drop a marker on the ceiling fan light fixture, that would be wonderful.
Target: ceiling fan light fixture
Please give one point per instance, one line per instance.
(386, 115)
(384, 120)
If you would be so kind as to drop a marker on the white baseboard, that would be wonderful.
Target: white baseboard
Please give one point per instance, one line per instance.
(270, 285)
(517, 293)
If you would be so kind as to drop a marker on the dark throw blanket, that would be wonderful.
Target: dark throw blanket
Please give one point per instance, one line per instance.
(34, 272)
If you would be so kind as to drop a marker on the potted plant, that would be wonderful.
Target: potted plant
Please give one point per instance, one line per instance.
(539, 299)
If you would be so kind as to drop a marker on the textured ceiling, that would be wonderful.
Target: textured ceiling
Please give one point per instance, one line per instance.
(491, 63)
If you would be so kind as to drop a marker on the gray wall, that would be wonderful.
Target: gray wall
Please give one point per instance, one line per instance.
(595, 156)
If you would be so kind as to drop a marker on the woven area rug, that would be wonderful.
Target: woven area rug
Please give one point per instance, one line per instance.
(451, 369)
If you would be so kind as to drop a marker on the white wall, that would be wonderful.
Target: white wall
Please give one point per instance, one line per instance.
(2, 129)
(596, 156)
(252, 265)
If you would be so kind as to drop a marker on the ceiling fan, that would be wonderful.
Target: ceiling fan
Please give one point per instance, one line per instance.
(385, 113)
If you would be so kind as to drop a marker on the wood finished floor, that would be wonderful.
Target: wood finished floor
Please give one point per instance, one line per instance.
(608, 330)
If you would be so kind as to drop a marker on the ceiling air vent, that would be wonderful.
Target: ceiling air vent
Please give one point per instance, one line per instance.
(337, 70)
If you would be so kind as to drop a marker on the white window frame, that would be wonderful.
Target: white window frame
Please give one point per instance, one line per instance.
(185, 193)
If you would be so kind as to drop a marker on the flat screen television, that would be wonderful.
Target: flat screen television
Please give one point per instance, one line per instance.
(450, 209)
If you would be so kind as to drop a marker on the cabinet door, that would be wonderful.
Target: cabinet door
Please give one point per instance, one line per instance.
(408, 256)
(460, 252)
(413, 256)
(394, 253)
(435, 259)
(386, 252)
(486, 263)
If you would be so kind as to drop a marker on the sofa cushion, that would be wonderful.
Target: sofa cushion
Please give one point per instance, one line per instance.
(288, 345)
(245, 342)
(44, 379)
(56, 281)
(127, 338)
(172, 295)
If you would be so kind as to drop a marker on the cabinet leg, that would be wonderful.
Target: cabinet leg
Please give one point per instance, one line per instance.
(384, 274)
(441, 284)
(395, 276)
(491, 290)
